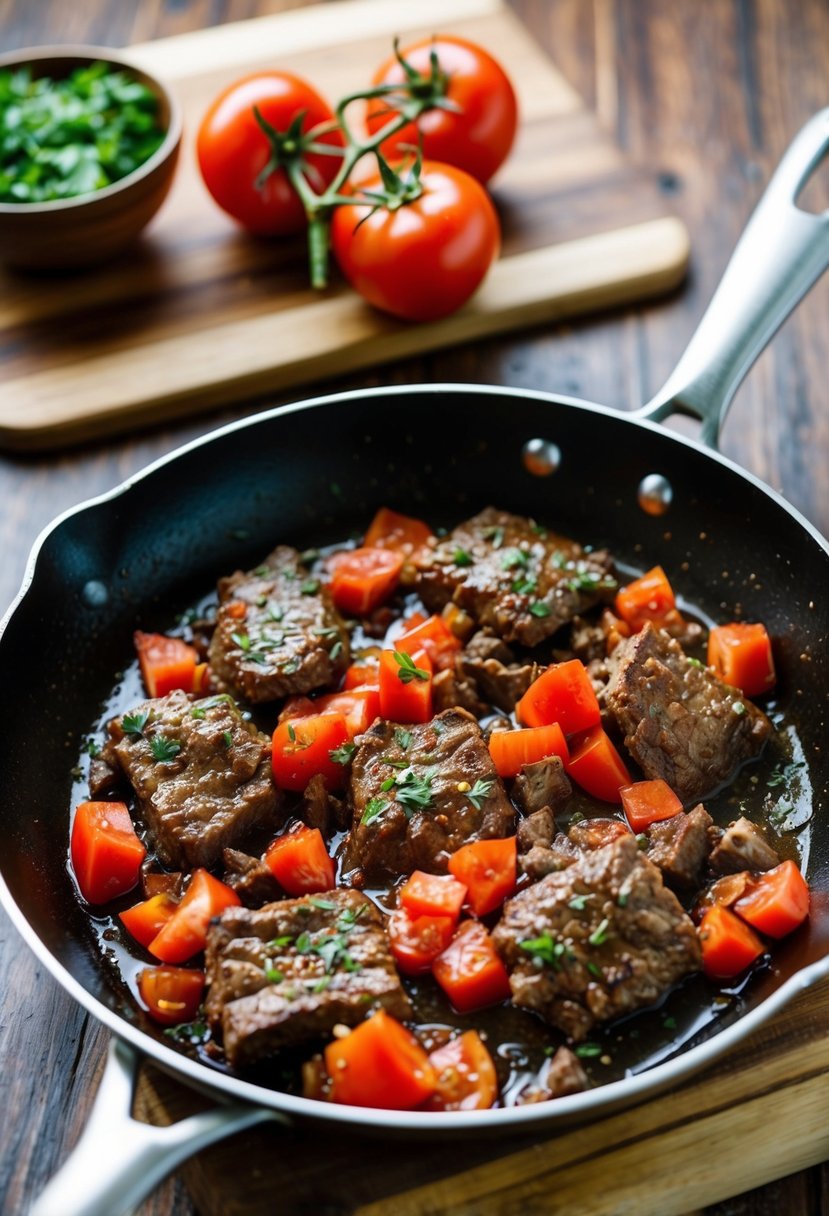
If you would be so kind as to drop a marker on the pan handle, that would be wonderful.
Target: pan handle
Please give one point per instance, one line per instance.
(119, 1161)
(782, 252)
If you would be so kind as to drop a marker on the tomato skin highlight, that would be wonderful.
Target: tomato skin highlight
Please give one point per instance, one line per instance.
(488, 869)
(145, 921)
(416, 940)
(358, 706)
(647, 802)
(401, 533)
(466, 1075)
(478, 135)
(185, 933)
(405, 701)
(301, 863)
(167, 663)
(435, 637)
(425, 259)
(425, 894)
(740, 654)
(105, 851)
(648, 598)
(301, 749)
(729, 946)
(470, 971)
(564, 694)
(597, 767)
(363, 579)
(379, 1064)
(172, 994)
(512, 749)
(233, 150)
(777, 902)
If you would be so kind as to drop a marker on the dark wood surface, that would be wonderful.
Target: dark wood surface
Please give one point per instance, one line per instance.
(706, 96)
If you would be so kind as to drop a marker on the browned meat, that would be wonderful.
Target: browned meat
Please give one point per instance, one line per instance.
(320, 809)
(201, 775)
(498, 684)
(680, 846)
(589, 834)
(250, 878)
(103, 777)
(513, 577)
(743, 847)
(542, 859)
(536, 829)
(544, 783)
(679, 721)
(562, 1075)
(293, 970)
(286, 638)
(420, 793)
(449, 689)
(160, 882)
(600, 939)
(726, 891)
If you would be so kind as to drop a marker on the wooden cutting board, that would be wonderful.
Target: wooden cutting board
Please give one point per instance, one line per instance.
(759, 1114)
(199, 315)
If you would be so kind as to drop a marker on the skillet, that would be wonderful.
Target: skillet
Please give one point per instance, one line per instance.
(311, 473)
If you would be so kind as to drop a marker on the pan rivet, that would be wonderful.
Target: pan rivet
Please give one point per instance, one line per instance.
(655, 494)
(95, 594)
(541, 458)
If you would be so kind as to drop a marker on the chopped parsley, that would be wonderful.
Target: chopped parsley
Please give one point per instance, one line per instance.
(198, 711)
(133, 724)
(524, 585)
(336, 650)
(308, 557)
(280, 943)
(516, 559)
(599, 935)
(187, 1032)
(163, 749)
(408, 669)
(374, 809)
(402, 738)
(480, 792)
(290, 667)
(783, 774)
(332, 949)
(578, 902)
(227, 738)
(545, 950)
(539, 609)
(93, 749)
(242, 640)
(413, 792)
(273, 975)
(462, 557)
(495, 535)
(311, 587)
(343, 753)
(325, 905)
(587, 1051)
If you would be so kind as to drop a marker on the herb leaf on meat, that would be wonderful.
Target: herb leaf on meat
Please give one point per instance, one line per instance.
(163, 749)
(133, 724)
(480, 792)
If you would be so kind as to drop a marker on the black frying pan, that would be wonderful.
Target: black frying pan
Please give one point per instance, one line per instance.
(310, 473)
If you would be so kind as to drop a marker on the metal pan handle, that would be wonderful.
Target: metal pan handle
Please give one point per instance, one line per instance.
(782, 252)
(119, 1161)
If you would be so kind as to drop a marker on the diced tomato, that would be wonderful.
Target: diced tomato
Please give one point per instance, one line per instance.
(201, 678)
(597, 767)
(564, 694)
(728, 944)
(649, 598)
(166, 663)
(145, 921)
(106, 853)
(512, 749)
(435, 637)
(740, 654)
(301, 863)
(237, 609)
(726, 891)
(362, 579)
(776, 902)
(488, 870)
(647, 802)
(469, 970)
(466, 1075)
(302, 749)
(365, 671)
(425, 894)
(380, 1064)
(359, 707)
(172, 994)
(402, 533)
(405, 686)
(417, 940)
(185, 933)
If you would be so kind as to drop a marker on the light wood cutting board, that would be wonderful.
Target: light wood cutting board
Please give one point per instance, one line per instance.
(200, 315)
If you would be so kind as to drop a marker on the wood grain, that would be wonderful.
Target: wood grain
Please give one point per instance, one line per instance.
(205, 316)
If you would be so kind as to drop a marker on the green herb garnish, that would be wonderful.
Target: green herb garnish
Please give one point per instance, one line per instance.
(408, 668)
(516, 558)
(462, 557)
(539, 609)
(164, 749)
(311, 587)
(545, 950)
(480, 792)
(599, 935)
(413, 791)
(373, 810)
(402, 738)
(587, 1051)
(343, 753)
(133, 724)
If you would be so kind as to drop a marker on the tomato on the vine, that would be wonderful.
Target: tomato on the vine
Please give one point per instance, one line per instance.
(424, 258)
(477, 130)
(233, 150)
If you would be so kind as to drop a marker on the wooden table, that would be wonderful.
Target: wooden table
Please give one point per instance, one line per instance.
(706, 97)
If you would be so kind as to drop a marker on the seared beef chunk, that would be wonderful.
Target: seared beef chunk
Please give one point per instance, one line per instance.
(680, 846)
(320, 809)
(678, 720)
(201, 775)
(590, 834)
(544, 783)
(743, 847)
(277, 632)
(449, 690)
(562, 1075)
(419, 793)
(513, 577)
(103, 777)
(600, 939)
(293, 970)
(490, 666)
(160, 882)
(250, 878)
(543, 859)
(537, 829)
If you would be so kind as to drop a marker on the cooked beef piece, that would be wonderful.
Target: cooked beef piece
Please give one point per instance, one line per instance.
(250, 878)
(160, 882)
(484, 645)
(680, 846)
(536, 829)
(588, 640)
(562, 1075)
(544, 783)
(201, 775)
(293, 970)
(726, 891)
(103, 776)
(679, 721)
(449, 689)
(498, 684)
(277, 632)
(320, 809)
(418, 793)
(600, 939)
(543, 859)
(743, 847)
(513, 577)
(589, 834)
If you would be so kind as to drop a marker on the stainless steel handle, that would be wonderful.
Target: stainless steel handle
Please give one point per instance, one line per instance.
(782, 252)
(118, 1161)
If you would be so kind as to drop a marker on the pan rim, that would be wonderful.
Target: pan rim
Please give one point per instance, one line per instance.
(592, 1103)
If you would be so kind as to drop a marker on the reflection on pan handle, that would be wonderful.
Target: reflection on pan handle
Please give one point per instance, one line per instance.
(118, 1161)
(782, 252)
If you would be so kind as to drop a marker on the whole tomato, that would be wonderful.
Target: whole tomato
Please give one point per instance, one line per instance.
(233, 150)
(478, 131)
(423, 259)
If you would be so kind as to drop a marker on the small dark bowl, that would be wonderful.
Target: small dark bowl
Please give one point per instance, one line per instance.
(93, 227)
